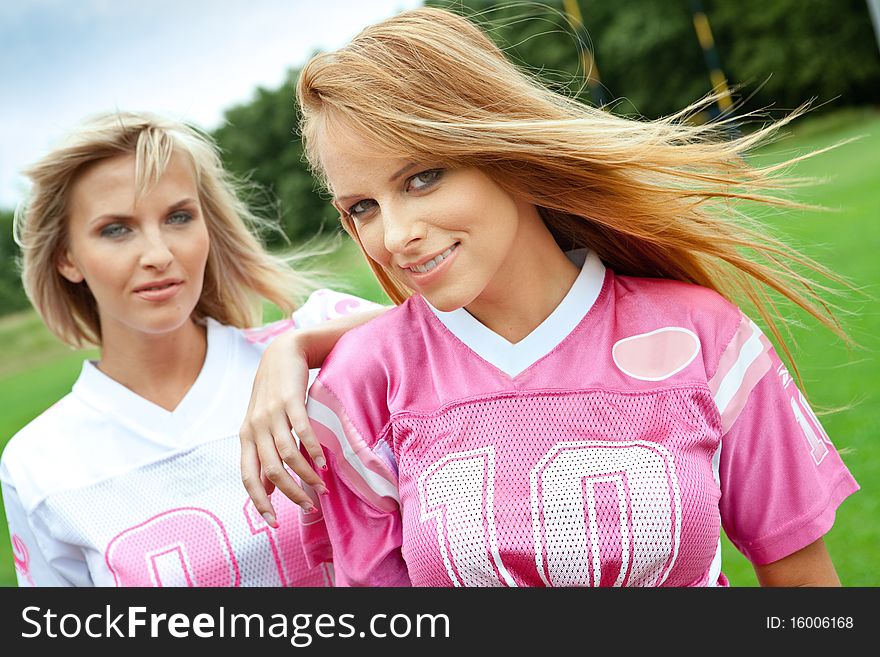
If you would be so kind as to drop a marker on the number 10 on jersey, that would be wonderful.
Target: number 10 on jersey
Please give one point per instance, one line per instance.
(602, 514)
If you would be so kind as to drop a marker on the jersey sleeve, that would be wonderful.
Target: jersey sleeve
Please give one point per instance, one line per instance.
(781, 478)
(359, 523)
(31, 565)
(322, 305)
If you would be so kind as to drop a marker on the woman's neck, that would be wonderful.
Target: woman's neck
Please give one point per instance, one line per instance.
(530, 285)
(160, 368)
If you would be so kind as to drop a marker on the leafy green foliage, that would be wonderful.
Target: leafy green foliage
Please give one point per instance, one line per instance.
(780, 52)
(798, 50)
(12, 296)
(259, 143)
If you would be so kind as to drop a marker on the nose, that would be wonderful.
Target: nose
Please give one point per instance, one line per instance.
(156, 251)
(403, 228)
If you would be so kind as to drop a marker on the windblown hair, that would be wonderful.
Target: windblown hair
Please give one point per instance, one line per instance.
(651, 198)
(239, 273)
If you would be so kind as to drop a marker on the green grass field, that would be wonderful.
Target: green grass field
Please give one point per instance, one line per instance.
(36, 370)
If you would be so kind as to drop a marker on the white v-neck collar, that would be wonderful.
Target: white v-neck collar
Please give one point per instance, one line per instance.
(149, 419)
(512, 359)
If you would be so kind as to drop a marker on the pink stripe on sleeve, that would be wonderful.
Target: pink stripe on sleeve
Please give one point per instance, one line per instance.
(742, 365)
(731, 353)
(266, 333)
(755, 372)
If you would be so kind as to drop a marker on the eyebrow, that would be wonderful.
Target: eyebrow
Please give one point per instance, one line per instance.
(184, 202)
(342, 200)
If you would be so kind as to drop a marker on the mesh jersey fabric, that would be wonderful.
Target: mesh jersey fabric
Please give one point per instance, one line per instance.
(607, 448)
(107, 489)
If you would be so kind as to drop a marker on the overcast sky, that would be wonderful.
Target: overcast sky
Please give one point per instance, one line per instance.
(61, 60)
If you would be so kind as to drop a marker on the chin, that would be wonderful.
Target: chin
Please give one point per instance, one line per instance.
(448, 302)
(160, 326)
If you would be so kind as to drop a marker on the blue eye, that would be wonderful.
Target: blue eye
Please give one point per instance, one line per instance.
(361, 208)
(424, 179)
(180, 217)
(114, 230)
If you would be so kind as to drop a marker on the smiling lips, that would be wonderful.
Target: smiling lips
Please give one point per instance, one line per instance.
(425, 267)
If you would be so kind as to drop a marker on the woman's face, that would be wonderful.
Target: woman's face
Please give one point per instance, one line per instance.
(450, 234)
(142, 258)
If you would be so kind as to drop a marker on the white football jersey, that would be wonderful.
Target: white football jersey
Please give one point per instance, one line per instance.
(106, 488)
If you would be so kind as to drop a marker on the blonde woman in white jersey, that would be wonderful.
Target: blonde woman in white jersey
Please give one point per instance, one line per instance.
(134, 240)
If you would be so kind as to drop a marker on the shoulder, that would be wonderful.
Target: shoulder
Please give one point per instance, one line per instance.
(659, 309)
(352, 387)
(326, 304)
(661, 300)
(388, 339)
(373, 361)
(321, 306)
(672, 298)
(48, 447)
(49, 429)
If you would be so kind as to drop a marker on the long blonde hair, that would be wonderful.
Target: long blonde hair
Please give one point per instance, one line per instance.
(239, 273)
(651, 198)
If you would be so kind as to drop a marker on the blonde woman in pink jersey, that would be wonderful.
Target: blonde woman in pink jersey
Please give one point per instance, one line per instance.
(566, 394)
(134, 240)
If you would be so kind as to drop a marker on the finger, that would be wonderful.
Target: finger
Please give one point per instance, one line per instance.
(302, 429)
(289, 452)
(251, 477)
(267, 485)
(277, 474)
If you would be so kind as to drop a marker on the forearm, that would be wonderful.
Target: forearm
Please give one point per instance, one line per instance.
(318, 341)
(810, 566)
(277, 409)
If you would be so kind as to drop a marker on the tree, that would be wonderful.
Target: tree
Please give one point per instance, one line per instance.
(258, 142)
(781, 52)
(799, 49)
(12, 296)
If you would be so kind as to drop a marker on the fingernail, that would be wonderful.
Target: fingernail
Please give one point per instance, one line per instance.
(270, 520)
(321, 463)
(309, 508)
(321, 490)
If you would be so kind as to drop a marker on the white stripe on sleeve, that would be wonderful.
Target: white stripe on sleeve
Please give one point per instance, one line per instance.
(749, 353)
(376, 482)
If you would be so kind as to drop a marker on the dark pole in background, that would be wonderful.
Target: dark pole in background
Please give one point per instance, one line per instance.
(707, 42)
(591, 71)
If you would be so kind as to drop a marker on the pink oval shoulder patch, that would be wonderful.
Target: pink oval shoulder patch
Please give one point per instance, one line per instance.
(656, 355)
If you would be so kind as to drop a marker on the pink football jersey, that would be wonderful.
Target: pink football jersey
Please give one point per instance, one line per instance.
(607, 448)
